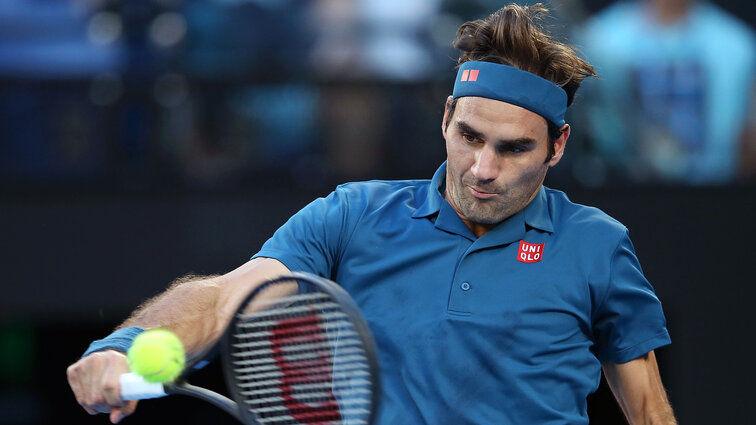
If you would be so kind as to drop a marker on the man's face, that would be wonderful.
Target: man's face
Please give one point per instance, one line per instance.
(496, 159)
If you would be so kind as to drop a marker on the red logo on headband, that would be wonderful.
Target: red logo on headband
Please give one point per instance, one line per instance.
(470, 75)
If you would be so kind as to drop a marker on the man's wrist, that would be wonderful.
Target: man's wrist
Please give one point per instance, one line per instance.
(119, 340)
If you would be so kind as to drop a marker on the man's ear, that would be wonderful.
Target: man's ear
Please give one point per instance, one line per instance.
(559, 144)
(446, 114)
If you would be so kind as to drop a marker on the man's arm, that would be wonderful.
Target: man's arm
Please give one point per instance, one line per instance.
(196, 310)
(639, 391)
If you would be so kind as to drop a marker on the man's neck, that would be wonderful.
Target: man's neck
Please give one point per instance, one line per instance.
(478, 229)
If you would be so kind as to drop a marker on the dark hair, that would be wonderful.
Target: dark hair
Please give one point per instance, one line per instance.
(513, 35)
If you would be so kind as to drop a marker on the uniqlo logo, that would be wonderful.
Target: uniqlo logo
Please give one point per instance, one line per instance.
(470, 75)
(530, 252)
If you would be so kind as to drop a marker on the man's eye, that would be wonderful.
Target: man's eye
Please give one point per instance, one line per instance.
(512, 149)
(469, 138)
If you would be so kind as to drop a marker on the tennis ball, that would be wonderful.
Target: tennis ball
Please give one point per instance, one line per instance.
(157, 356)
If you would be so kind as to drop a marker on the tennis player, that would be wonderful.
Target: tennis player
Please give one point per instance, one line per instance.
(492, 299)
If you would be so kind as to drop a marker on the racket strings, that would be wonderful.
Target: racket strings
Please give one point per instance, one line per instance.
(299, 360)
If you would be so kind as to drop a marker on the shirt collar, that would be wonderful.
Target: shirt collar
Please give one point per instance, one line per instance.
(535, 215)
(431, 204)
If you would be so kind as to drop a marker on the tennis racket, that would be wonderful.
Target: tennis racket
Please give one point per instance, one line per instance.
(297, 351)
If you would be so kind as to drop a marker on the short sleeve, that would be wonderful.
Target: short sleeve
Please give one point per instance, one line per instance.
(310, 241)
(629, 322)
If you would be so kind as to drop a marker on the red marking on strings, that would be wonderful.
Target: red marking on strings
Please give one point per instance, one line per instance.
(299, 330)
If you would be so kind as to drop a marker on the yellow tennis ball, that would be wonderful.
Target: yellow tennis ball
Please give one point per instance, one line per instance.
(157, 356)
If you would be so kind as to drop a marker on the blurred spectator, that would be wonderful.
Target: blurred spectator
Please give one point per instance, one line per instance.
(239, 110)
(675, 94)
(246, 39)
(43, 39)
(747, 154)
(362, 41)
(387, 39)
(50, 124)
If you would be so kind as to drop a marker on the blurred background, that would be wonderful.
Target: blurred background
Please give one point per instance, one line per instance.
(144, 140)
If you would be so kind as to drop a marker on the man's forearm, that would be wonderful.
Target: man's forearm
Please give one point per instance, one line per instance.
(655, 412)
(639, 391)
(189, 307)
(664, 417)
(198, 308)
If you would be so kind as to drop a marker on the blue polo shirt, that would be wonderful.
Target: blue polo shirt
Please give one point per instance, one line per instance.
(508, 328)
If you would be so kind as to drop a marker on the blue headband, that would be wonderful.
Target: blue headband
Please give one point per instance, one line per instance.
(512, 85)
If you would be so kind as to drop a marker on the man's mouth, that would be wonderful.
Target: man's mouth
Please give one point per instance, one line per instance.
(480, 194)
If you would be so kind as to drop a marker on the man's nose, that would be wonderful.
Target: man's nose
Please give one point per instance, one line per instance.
(486, 166)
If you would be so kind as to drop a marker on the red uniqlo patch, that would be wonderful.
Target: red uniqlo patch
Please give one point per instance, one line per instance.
(530, 252)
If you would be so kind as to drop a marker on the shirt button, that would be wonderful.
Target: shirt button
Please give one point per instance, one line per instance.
(465, 286)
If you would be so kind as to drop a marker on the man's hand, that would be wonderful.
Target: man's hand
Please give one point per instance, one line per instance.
(94, 381)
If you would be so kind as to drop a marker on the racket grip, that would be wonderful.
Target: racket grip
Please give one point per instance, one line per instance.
(134, 387)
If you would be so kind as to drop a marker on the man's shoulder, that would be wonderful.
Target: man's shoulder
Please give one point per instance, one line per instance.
(380, 191)
(378, 185)
(727, 34)
(568, 215)
(716, 18)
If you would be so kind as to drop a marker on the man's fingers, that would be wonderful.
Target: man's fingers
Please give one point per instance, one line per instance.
(130, 407)
(119, 413)
(100, 407)
(116, 415)
(79, 379)
(74, 382)
(110, 384)
(111, 393)
(95, 383)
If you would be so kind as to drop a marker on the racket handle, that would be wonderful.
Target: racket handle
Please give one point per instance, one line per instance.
(134, 387)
